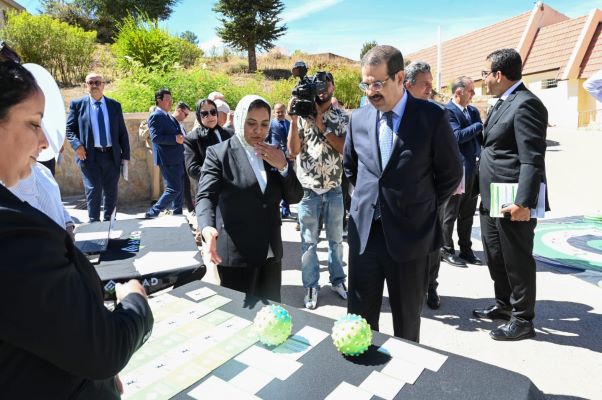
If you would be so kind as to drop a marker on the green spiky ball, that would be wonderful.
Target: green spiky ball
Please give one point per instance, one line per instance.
(273, 324)
(351, 335)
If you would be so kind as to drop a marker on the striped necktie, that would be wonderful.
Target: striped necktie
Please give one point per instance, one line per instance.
(102, 130)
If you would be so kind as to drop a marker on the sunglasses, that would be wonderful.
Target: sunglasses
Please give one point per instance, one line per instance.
(205, 114)
(94, 83)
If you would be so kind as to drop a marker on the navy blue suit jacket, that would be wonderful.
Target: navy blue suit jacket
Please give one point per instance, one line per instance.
(279, 134)
(79, 129)
(424, 169)
(468, 134)
(163, 131)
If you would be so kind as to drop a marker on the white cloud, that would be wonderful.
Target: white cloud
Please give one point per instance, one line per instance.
(307, 8)
(214, 42)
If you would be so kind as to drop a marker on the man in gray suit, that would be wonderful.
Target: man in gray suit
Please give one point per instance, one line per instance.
(402, 158)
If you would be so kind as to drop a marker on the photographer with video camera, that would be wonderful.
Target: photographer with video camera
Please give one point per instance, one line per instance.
(317, 135)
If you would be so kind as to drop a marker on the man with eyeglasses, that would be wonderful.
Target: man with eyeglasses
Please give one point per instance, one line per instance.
(97, 133)
(167, 137)
(318, 141)
(514, 147)
(402, 158)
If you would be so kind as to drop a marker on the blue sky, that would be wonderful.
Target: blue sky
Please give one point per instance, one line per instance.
(342, 26)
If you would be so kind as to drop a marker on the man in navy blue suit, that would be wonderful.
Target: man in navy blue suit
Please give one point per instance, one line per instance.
(278, 136)
(402, 158)
(96, 131)
(465, 121)
(167, 138)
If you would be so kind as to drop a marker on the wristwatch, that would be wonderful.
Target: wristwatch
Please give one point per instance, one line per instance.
(284, 169)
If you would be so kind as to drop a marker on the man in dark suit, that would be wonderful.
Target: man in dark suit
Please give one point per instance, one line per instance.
(278, 136)
(465, 121)
(96, 131)
(167, 138)
(402, 158)
(514, 146)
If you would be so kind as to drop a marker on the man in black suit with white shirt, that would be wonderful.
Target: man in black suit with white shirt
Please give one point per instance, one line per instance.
(514, 146)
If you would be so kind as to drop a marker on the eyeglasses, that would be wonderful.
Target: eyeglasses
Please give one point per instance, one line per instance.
(377, 86)
(205, 114)
(94, 83)
(485, 74)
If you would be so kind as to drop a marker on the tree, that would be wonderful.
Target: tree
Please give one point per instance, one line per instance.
(190, 37)
(248, 25)
(366, 48)
(105, 15)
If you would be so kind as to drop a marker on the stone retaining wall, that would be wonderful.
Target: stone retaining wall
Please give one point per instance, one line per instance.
(138, 187)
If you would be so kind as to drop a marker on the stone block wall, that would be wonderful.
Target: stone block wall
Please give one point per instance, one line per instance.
(138, 187)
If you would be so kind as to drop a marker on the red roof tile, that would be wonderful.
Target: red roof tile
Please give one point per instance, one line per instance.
(592, 60)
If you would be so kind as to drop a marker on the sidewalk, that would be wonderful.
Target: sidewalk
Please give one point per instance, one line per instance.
(564, 360)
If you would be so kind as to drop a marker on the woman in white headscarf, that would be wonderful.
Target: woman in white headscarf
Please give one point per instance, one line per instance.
(242, 183)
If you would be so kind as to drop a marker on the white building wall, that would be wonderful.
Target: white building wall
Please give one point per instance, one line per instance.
(561, 101)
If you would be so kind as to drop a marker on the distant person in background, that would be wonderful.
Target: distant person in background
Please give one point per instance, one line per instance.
(224, 114)
(57, 338)
(200, 138)
(593, 85)
(216, 96)
(419, 80)
(97, 133)
(278, 136)
(155, 172)
(180, 114)
(242, 183)
(167, 137)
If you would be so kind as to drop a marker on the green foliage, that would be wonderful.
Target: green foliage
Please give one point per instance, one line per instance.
(190, 37)
(66, 51)
(105, 15)
(141, 43)
(247, 25)
(366, 48)
(346, 80)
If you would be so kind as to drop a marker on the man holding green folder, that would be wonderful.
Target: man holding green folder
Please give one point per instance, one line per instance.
(514, 146)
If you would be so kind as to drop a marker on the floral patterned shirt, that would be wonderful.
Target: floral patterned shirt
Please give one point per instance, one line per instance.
(319, 165)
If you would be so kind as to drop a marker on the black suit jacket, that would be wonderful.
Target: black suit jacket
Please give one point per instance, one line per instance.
(229, 198)
(57, 339)
(79, 129)
(514, 147)
(196, 143)
(468, 135)
(424, 169)
(163, 130)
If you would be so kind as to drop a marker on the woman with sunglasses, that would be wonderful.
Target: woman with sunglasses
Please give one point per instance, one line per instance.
(57, 339)
(206, 134)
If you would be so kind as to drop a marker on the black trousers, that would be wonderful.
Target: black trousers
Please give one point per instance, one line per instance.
(460, 207)
(406, 283)
(508, 249)
(263, 281)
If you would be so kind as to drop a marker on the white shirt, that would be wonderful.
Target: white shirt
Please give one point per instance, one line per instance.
(41, 191)
(510, 90)
(94, 121)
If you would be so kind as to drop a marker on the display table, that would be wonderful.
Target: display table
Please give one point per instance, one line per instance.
(322, 369)
(159, 252)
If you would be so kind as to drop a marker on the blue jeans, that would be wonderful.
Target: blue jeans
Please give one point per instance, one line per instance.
(173, 182)
(330, 206)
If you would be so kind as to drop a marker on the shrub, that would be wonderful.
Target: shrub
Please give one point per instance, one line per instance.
(142, 43)
(64, 50)
(188, 53)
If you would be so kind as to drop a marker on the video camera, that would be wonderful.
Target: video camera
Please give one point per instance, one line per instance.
(306, 91)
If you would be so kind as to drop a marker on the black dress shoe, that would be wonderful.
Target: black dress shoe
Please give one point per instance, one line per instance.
(493, 312)
(452, 259)
(513, 330)
(470, 258)
(432, 299)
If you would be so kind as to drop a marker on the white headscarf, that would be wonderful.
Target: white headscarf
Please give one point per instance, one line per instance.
(240, 115)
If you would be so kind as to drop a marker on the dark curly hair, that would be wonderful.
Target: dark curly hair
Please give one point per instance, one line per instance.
(16, 85)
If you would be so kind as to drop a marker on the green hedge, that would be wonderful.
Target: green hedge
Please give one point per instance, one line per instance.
(136, 92)
(64, 50)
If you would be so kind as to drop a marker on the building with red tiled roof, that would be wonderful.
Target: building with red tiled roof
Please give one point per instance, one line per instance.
(558, 54)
